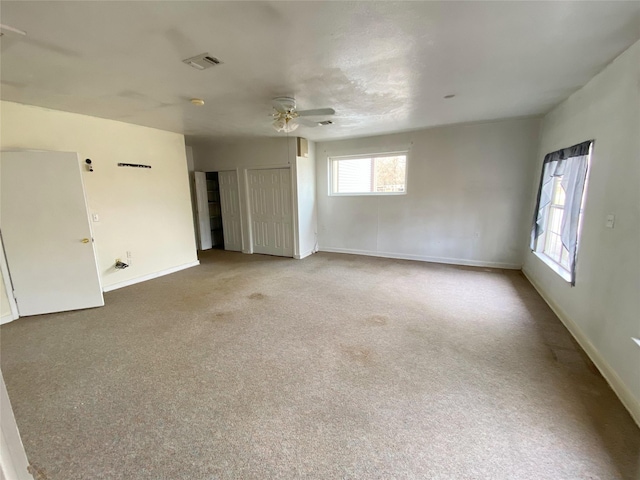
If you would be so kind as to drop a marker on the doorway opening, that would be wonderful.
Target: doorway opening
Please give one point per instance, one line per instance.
(215, 211)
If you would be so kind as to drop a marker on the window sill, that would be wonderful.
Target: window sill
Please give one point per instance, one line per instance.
(371, 194)
(566, 276)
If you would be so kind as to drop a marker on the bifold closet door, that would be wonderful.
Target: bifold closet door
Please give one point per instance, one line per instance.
(202, 202)
(230, 205)
(271, 212)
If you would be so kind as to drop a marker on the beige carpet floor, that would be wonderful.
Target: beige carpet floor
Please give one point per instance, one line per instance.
(333, 367)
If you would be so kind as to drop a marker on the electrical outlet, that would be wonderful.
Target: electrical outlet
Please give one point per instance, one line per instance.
(129, 254)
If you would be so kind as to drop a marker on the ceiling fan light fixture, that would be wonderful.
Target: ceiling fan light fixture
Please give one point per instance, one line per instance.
(284, 123)
(279, 124)
(290, 127)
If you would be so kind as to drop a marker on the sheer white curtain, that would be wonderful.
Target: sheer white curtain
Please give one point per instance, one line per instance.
(571, 164)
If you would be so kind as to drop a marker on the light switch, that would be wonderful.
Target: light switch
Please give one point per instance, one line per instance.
(611, 219)
(95, 217)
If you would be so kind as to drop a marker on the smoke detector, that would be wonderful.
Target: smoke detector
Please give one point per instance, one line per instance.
(202, 61)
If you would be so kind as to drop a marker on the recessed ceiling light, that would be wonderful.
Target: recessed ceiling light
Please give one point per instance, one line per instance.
(197, 101)
(451, 95)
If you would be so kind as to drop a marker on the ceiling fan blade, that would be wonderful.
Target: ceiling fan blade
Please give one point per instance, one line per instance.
(307, 123)
(317, 111)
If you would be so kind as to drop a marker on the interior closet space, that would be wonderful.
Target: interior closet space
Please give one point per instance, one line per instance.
(214, 210)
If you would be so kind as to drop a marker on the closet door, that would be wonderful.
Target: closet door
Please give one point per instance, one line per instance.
(202, 202)
(230, 203)
(271, 213)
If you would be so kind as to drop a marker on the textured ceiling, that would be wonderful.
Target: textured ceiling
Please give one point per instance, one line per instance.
(383, 66)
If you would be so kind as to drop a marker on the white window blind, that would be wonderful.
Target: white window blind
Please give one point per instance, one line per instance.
(381, 174)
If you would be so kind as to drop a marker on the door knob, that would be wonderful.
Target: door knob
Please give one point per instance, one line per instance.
(85, 240)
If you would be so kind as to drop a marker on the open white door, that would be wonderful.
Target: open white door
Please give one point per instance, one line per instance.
(271, 217)
(230, 203)
(202, 202)
(46, 233)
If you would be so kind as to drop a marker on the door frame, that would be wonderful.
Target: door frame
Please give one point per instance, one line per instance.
(294, 216)
(8, 286)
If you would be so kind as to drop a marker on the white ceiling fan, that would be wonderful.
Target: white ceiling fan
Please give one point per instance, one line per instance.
(286, 117)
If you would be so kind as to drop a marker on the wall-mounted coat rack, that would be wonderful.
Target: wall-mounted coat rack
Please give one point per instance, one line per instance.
(135, 165)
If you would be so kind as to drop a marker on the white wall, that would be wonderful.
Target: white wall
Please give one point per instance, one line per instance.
(467, 192)
(306, 195)
(145, 211)
(192, 190)
(245, 152)
(603, 309)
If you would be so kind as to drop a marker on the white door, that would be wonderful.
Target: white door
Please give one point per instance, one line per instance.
(46, 233)
(202, 202)
(271, 214)
(230, 203)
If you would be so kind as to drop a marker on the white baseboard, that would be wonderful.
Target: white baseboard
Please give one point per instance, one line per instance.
(627, 398)
(151, 276)
(423, 258)
(303, 255)
(6, 318)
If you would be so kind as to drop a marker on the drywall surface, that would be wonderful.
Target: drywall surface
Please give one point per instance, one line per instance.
(306, 195)
(604, 306)
(192, 191)
(244, 153)
(468, 188)
(144, 211)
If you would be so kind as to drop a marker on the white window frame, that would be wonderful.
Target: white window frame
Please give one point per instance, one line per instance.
(542, 240)
(330, 170)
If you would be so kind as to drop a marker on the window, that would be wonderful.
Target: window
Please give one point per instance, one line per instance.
(383, 174)
(552, 240)
(556, 225)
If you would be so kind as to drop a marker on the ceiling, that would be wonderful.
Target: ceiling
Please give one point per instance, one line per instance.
(383, 66)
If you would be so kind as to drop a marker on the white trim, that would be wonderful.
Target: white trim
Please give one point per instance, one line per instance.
(151, 276)
(553, 265)
(373, 156)
(14, 464)
(424, 258)
(303, 255)
(6, 278)
(7, 318)
(368, 194)
(625, 395)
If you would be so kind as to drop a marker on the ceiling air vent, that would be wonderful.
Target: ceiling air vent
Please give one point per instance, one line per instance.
(325, 122)
(202, 61)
